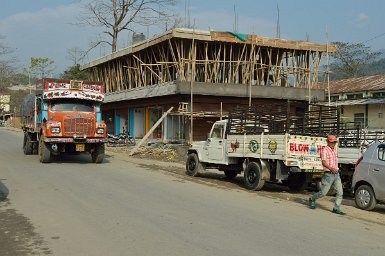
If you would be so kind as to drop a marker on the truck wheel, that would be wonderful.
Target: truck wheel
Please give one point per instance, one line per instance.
(365, 198)
(44, 152)
(253, 177)
(35, 147)
(297, 182)
(27, 144)
(193, 166)
(230, 174)
(98, 154)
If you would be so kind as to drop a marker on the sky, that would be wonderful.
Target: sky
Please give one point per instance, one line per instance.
(46, 28)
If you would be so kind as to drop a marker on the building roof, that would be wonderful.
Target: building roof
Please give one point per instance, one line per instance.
(202, 35)
(357, 84)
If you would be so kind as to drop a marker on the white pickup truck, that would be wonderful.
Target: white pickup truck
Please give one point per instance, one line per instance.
(290, 159)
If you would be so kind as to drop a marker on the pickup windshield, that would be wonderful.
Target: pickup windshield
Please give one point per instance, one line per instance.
(72, 106)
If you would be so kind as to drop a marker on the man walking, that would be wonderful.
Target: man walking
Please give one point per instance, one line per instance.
(331, 176)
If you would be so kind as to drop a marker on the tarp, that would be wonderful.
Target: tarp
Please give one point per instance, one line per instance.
(242, 37)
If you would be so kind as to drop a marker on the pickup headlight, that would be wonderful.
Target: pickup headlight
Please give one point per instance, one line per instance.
(100, 131)
(55, 129)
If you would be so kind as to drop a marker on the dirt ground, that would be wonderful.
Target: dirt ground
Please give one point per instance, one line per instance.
(171, 158)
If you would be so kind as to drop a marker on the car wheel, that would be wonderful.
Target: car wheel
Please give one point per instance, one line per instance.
(365, 198)
(253, 177)
(193, 165)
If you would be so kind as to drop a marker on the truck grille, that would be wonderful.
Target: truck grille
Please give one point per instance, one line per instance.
(79, 126)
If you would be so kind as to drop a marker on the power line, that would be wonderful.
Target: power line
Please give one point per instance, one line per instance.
(374, 38)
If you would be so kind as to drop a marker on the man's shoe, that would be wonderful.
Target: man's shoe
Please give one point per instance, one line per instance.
(338, 211)
(311, 203)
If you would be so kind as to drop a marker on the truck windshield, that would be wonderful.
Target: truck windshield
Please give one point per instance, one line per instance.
(72, 106)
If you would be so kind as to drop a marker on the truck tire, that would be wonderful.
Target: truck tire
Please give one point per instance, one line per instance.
(253, 177)
(98, 154)
(365, 198)
(230, 174)
(297, 181)
(44, 152)
(193, 166)
(27, 144)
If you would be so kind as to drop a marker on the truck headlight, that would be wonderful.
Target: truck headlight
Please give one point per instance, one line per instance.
(100, 131)
(55, 129)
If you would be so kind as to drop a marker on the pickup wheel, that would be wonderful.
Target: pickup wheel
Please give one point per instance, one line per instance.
(27, 145)
(365, 198)
(98, 154)
(297, 182)
(44, 152)
(193, 166)
(253, 177)
(230, 174)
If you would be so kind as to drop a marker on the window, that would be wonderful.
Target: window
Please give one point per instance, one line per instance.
(72, 106)
(359, 119)
(381, 153)
(217, 132)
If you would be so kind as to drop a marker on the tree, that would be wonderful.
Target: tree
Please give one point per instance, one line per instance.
(115, 16)
(75, 54)
(350, 59)
(41, 66)
(74, 72)
(7, 62)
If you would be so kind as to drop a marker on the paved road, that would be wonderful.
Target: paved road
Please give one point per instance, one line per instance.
(74, 207)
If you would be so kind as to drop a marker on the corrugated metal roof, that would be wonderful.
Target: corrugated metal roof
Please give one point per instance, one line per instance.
(358, 84)
(353, 102)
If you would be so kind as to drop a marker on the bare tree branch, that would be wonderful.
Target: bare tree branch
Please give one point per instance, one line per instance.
(114, 16)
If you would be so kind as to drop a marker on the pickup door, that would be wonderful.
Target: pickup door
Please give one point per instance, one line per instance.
(215, 144)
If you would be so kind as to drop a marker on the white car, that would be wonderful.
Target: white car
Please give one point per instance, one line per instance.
(369, 177)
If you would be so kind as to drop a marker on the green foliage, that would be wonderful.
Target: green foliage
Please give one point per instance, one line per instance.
(350, 59)
(74, 72)
(41, 66)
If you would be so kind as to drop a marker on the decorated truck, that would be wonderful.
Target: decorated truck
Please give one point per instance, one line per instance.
(268, 144)
(64, 117)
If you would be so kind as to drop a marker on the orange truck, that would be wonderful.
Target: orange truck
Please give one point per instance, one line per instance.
(64, 117)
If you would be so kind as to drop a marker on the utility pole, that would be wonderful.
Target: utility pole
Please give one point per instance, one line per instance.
(192, 84)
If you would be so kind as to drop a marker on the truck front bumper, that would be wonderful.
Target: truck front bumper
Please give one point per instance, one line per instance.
(76, 140)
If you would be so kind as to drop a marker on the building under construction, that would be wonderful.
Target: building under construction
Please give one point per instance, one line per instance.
(203, 75)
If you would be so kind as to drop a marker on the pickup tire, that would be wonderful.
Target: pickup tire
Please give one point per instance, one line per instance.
(44, 152)
(193, 166)
(253, 177)
(365, 198)
(297, 181)
(27, 144)
(98, 154)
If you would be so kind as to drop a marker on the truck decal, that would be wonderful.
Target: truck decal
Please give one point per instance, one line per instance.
(273, 146)
(253, 146)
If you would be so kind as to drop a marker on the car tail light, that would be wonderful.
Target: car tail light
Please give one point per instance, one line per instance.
(358, 161)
